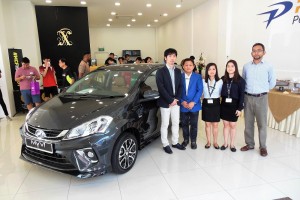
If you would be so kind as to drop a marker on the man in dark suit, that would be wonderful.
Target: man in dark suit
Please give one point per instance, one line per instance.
(168, 80)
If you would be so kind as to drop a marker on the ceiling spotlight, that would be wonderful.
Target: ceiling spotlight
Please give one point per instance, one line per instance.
(83, 2)
(140, 14)
(178, 5)
(113, 13)
(117, 4)
(107, 24)
(110, 20)
(156, 20)
(48, 1)
(148, 25)
(165, 14)
(133, 20)
(148, 5)
(128, 25)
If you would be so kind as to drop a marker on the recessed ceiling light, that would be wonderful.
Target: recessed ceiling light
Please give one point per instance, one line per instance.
(148, 5)
(139, 14)
(83, 2)
(110, 20)
(113, 13)
(117, 4)
(156, 20)
(165, 14)
(148, 25)
(178, 5)
(133, 20)
(107, 24)
(48, 1)
(128, 25)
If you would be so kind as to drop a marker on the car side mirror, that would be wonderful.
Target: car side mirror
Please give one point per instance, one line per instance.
(150, 95)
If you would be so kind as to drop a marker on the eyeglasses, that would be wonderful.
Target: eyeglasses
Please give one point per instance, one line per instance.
(257, 51)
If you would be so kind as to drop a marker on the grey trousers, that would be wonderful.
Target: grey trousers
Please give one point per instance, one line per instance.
(256, 108)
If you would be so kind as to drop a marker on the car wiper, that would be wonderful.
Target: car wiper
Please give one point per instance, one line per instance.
(110, 96)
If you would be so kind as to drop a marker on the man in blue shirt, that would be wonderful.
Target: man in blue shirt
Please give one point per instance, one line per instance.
(260, 78)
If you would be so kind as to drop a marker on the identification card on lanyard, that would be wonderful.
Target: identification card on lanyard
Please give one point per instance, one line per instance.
(228, 99)
(210, 101)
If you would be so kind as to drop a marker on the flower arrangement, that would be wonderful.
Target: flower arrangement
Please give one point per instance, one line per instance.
(201, 63)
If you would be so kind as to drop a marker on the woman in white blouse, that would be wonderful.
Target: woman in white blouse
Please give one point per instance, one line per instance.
(212, 86)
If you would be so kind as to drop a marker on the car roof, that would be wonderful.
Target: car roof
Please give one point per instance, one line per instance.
(131, 67)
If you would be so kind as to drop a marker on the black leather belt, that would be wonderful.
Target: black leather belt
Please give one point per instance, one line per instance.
(256, 95)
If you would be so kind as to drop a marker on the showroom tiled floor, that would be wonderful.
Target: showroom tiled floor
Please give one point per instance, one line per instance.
(184, 175)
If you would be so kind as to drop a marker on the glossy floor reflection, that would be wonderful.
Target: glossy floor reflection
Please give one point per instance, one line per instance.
(184, 175)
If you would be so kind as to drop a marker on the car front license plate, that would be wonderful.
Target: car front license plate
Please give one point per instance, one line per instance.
(39, 145)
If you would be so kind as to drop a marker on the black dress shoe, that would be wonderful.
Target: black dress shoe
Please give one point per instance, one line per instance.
(233, 149)
(223, 147)
(193, 145)
(168, 149)
(217, 147)
(185, 143)
(178, 146)
(207, 146)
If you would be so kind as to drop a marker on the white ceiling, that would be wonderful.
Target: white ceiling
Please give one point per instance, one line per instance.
(99, 11)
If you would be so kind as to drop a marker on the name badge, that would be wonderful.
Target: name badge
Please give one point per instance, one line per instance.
(228, 100)
(210, 101)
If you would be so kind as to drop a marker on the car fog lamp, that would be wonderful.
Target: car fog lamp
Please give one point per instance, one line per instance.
(90, 154)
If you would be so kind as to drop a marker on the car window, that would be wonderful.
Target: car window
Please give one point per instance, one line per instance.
(151, 81)
(105, 82)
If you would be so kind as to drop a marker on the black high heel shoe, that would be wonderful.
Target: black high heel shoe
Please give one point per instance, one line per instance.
(223, 147)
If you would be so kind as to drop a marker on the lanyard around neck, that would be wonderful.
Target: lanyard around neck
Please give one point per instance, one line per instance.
(213, 88)
(228, 88)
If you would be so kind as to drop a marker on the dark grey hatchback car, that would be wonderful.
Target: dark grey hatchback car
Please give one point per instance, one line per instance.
(98, 124)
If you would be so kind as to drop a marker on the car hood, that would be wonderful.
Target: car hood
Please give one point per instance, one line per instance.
(62, 113)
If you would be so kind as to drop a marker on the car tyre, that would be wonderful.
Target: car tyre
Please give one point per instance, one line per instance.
(124, 153)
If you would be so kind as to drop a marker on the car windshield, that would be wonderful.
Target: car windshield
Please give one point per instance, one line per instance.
(109, 83)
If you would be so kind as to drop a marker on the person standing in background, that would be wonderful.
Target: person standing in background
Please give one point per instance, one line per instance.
(2, 103)
(68, 75)
(49, 78)
(24, 75)
(84, 66)
(260, 78)
(233, 91)
(190, 102)
(212, 86)
(168, 80)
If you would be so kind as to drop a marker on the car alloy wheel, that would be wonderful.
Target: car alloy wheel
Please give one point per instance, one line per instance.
(124, 153)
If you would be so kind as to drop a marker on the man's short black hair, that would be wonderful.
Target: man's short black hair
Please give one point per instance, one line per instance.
(170, 51)
(86, 53)
(259, 44)
(25, 60)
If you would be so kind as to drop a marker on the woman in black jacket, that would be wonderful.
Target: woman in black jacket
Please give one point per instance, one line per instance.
(232, 104)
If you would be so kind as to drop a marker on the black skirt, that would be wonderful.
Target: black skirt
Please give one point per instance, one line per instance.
(211, 112)
(228, 110)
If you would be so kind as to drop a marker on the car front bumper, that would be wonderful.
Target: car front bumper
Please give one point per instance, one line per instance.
(82, 157)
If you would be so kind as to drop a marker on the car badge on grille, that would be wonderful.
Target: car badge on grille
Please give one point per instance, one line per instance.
(40, 134)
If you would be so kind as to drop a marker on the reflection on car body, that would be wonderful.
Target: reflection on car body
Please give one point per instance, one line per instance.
(98, 124)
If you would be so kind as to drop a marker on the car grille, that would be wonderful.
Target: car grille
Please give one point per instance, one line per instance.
(50, 134)
(55, 160)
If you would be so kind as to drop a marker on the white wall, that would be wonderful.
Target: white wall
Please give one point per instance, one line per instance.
(281, 38)
(117, 39)
(18, 30)
(4, 62)
(225, 30)
(192, 33)
(176, 34)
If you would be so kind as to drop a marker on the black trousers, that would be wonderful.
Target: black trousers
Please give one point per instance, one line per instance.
(3, 104)
(189, 124)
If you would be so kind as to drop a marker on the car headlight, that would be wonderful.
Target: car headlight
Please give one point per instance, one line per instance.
(98, 125)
